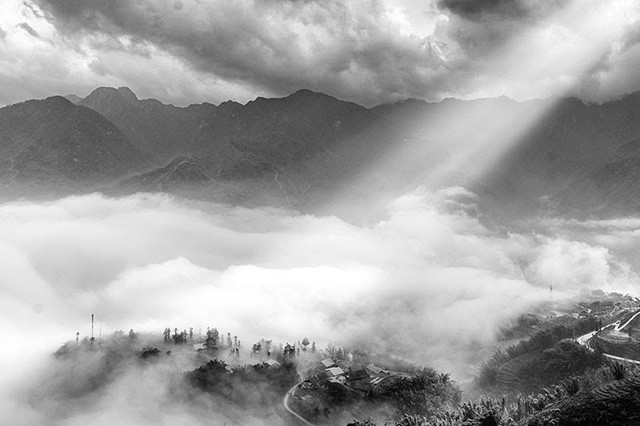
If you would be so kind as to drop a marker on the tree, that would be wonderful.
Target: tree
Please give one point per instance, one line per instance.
(289, 351)
(179, 338)
(305, 343)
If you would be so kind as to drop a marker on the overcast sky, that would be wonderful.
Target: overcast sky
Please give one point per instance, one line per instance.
(367, 51)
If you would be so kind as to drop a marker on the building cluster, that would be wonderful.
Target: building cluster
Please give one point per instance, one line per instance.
(310, 398)
(359, 378)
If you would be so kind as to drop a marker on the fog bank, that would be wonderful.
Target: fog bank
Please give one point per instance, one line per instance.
(429, 282)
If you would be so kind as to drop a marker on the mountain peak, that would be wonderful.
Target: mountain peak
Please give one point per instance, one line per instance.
(58, 102)
(123, 93)
(127, 93)
(307, 94)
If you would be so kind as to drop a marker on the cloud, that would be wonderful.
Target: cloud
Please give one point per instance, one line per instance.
(354, 48)
(504, 9)
(367, 51)
(428, 282)
(26, 27)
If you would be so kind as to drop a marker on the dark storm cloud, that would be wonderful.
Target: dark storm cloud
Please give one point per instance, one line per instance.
(348, 48)
(513, 9)
(476, 8)
(482, 26)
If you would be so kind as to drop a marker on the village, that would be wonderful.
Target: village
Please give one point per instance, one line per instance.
(308, 383)
(330, 384)
(314, 385)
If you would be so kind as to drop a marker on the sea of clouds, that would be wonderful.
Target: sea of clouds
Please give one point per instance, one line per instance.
(428, 282)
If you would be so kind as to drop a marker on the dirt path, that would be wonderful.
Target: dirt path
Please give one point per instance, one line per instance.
(285, 402)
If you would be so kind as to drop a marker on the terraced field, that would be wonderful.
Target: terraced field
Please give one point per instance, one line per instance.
(615, 403)
(507, 375)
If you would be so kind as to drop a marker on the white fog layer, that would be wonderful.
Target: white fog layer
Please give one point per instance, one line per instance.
(428, 282)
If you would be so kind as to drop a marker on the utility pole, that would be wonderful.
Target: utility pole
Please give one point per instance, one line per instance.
(93, 339)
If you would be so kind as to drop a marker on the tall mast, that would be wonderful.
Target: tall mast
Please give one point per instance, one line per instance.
(92, 338)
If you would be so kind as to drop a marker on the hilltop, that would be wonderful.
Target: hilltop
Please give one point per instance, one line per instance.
(547, 374)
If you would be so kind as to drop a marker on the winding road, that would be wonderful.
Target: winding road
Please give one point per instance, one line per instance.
(285, 402)
(585, 339)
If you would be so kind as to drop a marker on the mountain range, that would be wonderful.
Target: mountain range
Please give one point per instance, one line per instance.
(309, 150)
(53, 140)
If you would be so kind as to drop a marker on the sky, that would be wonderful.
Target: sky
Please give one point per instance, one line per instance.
(366, 51)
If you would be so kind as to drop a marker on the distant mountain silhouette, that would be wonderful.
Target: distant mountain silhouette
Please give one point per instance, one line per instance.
(158, 130)
(54, 139)
(234, 141)
(568, 162)
(309, 149)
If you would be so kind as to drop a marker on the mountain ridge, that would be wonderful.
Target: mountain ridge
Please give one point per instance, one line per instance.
(308, 148)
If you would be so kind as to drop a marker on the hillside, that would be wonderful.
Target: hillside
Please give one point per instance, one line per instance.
(213, 375)
(52, 139)
(182, 171)
(564, 162)
(615, 184)
(158, 130)
(553, 378)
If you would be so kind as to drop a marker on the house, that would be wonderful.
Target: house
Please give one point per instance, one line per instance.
(334, 371)
(327, 363)
(375, 370)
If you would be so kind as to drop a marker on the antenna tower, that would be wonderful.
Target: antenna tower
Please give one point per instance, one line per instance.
(92, 338)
